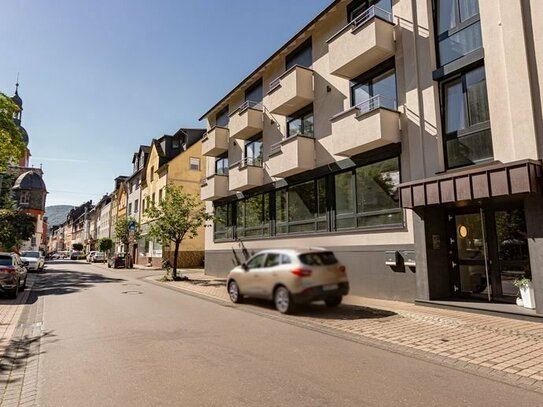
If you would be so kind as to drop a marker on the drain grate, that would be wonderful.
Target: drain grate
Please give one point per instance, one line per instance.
(132, 292)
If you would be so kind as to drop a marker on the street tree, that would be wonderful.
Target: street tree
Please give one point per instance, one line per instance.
(15, 227)
(77, 246)
(12, 146)
(105, 244)
(178, 216)
(122, 232)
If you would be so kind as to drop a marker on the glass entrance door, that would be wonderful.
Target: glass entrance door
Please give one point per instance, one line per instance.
(488, 250)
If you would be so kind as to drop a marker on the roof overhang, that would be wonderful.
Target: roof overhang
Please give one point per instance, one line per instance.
(482, 182)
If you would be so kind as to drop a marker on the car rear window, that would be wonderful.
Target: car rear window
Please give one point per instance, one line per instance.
(6, 261)
(318, 259)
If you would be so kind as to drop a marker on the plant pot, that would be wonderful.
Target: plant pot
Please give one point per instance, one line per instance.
(527, 293)
(519, 302)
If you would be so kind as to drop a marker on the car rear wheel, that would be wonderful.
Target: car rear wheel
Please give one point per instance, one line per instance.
(15, 292)
(283, 300)
(333, 301)
(233, 292)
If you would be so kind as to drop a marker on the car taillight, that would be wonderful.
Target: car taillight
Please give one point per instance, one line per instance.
(301, 272)
(342, 269)
(5, 270)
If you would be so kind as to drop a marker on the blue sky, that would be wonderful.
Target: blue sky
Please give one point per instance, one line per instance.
(99, 78)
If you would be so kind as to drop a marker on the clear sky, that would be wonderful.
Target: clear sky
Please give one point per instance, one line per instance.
(100, 77)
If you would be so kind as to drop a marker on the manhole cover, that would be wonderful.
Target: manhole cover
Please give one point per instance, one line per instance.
(132, 292)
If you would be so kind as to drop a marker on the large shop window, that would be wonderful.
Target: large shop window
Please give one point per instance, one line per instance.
(301, 124)
(375, 89)
(458, 29)
(301, 208)
(364, 197)
(253, 216)
(368, 196)
(468, 138)
(223, 222)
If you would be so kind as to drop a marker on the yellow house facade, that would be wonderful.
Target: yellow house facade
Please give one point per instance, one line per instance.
(169, 162)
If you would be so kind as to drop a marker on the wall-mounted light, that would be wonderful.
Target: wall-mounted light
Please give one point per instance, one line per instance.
(462, 231)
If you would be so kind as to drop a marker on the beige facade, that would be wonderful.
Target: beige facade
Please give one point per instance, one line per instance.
(406, 127)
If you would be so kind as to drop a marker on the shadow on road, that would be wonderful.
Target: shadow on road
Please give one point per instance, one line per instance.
(59, 282)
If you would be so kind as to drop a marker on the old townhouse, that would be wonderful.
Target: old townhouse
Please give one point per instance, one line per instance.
(155, 177)
(404, 135)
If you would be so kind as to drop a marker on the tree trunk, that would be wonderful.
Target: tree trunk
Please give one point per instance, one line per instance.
(175, 254)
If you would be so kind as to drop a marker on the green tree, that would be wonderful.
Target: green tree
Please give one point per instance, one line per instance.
(105, 244)
(77, 246)
(12, 146)
(122, 233)
(15, 227)
(178, 216)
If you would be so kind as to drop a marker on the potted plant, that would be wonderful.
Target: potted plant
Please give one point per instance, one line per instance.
(526, 288)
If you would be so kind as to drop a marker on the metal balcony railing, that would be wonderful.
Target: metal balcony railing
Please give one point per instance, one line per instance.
(375, 103)
(249, 104)
(275, 83)
(203, 182)
(221, 171)
(276, 147)
(370, 13)
(251, 162)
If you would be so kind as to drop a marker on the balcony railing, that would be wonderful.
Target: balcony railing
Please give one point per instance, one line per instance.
(275, 83)
(376, 102)
(367, 15)
(249, 104)
(250, 161)
(221, 171)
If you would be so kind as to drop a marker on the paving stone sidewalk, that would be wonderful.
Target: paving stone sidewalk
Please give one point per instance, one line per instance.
(507, 349)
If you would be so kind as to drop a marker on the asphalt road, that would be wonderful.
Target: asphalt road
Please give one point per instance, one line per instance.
(115, 340)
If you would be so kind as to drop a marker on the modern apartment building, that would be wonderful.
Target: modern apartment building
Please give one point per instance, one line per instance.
(404, 135)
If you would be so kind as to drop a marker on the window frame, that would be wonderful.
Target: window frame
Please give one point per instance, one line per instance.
(225, 168)
(470, 129)
(191, 164)
(370, 75)
(300, 115)
(249, 143)
(299, 50)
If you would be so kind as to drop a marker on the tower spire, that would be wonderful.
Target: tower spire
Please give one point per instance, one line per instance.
(17, 85)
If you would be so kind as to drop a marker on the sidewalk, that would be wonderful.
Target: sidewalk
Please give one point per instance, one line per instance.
(506, 349)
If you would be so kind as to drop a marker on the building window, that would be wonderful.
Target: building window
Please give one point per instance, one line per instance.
(468, 138)
(152, 175)
(254, 152)
(223, 222)
(221, 166)
(358, 7)
(458, 29)
(375, 89)
(301, 208)
(24, 197)
(194, 164)
(253, 216)
(301, 123)
(368, 196)
(255, 92)
(129, 209)
(303, 56)
(175, 143)
(222, 118)
(153, 200)
(136, 202)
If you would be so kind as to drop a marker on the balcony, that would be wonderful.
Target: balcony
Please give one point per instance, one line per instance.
(214, 187)
(291, 156)
(366, 42)
(246, 174)
(215, 142)
(371, 124)
(246, 121)
(291, 91)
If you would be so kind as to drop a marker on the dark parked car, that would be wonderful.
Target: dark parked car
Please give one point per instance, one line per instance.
(12, 274)
(116, 261)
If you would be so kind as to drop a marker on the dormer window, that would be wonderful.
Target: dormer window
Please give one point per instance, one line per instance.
(25, 197)
(175, 144)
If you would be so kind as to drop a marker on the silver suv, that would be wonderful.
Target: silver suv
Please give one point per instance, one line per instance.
(290, 276)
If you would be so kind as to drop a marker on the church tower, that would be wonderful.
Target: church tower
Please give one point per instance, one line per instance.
(17, 118)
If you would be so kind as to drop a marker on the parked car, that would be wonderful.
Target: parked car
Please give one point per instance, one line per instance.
(117, 260)
(34, 260)
(289, 277)
(13, 274)
(77, 255)
(56, 256)
(98, 257)
(89, 256)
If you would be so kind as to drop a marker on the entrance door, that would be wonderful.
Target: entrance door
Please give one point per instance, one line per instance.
(488, 249)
